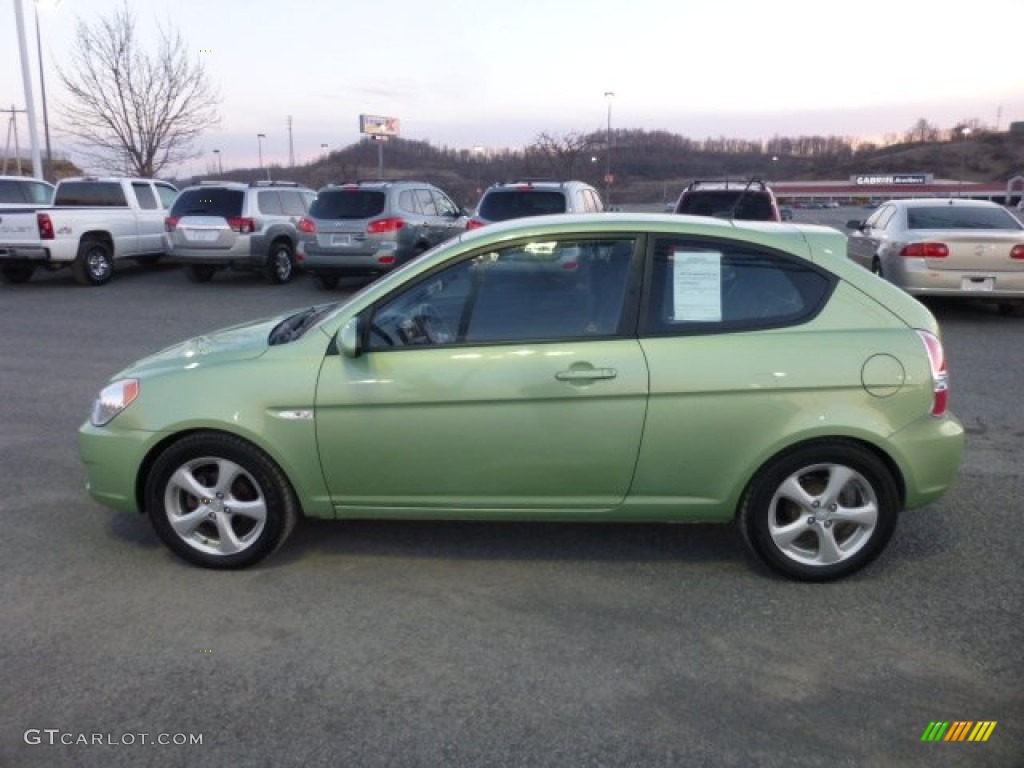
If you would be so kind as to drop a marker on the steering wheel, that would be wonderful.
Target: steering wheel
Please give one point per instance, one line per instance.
(432, 324)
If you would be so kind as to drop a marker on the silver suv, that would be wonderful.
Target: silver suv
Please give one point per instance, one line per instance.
(370, 227)
(218, 224)
(534, 197)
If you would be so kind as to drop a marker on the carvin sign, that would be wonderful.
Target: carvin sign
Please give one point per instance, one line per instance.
(892, 178)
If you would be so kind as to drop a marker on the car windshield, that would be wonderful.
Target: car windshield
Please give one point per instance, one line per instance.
(209, 201)
(516, 203)
(348, 204)
(960, 217)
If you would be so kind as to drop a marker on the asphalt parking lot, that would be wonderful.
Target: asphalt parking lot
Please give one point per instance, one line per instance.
(468, 644)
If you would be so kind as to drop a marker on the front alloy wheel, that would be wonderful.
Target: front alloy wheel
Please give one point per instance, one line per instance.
(219, 502)
(821, 512)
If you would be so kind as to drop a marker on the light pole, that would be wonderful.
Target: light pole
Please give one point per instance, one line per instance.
(260, 137)
(48, 169)
(324, 148)
(966, 131)
(608, 152)
(220, 165)
(775, 161)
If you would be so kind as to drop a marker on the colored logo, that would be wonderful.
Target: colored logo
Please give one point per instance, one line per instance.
(959, 730)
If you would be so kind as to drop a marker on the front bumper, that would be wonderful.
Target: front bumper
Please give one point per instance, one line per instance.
(113, 460)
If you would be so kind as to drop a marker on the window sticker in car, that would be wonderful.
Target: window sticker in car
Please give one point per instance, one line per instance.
(696, 286)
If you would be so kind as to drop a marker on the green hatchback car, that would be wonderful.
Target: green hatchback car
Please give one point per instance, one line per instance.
(613, 367)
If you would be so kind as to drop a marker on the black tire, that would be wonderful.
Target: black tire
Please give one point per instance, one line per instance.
(219, 536)
(876, 267)
(847, 498)
(15, 274)
(94, 263)
(1007, 308)
(200, 273)
(280, 263)
(326, 281)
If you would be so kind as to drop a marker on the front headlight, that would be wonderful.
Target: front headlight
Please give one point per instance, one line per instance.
(113, 399)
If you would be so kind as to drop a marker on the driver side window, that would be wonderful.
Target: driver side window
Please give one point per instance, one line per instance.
(542, 290)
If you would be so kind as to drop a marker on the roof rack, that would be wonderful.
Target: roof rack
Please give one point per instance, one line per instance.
(269, 183)
(530, 180)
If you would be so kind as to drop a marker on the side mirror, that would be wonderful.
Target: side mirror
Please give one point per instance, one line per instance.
(854, 224)
(348, 338)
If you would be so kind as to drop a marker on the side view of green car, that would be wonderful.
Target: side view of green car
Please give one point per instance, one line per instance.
(613, 367)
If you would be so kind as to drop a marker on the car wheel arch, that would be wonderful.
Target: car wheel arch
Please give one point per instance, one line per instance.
(169, 441)
(780, 453)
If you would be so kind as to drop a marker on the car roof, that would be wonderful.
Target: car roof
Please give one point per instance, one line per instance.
(920, 202)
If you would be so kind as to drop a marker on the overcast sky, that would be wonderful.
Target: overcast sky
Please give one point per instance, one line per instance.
(488, 74)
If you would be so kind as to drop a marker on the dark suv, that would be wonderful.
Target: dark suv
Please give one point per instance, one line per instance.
(750, 200)
(534, 197)
(367, 228)
(220, 224)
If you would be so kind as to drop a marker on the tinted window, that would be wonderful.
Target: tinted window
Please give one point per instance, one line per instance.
(515, 203)
(348, 204)
(269, 202)
(91, 193)
(568, 289)
(144, 194)
(700, 287)
(291, 202)
(728, 204)
(960, 217)
(209, 201)
(12, 192)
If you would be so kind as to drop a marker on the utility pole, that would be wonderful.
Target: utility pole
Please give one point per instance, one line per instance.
(30, 106)
(291, 144)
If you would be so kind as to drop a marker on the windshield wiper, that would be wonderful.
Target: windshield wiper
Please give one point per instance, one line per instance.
(293, 326)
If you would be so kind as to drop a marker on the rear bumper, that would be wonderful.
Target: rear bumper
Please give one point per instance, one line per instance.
(371, 261)
(24, 253)
(918, 279)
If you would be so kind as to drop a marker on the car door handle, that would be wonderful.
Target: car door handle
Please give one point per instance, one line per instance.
(586, 374)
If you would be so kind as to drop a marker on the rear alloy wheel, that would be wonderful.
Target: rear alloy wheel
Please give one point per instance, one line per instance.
(281, 264)
(820, 512)
(327, 282)
(94, 264)
(16, 274)
(199, 273)
(219, 502)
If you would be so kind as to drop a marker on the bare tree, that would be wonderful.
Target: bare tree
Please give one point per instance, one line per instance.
(561, 155)
(131, 110)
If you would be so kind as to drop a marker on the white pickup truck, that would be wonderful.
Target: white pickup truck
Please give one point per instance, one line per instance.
(92, 223)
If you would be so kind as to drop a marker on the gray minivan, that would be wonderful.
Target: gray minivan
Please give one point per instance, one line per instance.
(367, 228)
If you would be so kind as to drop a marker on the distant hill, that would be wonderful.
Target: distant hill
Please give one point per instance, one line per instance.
(654, 166)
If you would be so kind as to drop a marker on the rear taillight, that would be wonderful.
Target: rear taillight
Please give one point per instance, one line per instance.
(242, 225)
(306, 225)
(1017, 252)
(392, 224)
(170, 223)
(45, 225)
(940, 377)
(388, 259)
(926, 250)
(475, 224)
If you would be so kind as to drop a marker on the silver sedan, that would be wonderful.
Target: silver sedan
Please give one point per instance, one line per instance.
(944, 247)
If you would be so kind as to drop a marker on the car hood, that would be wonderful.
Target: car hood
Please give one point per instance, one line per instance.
(239, 342)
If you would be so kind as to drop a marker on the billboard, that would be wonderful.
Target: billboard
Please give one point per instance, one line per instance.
(892, 178)
(375, 125)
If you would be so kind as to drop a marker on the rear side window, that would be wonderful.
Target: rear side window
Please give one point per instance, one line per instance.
(269, 203)
(702, 287)
(144, 194)
(960, 217)
(516, 203)
(348, 204)
(102, 194)
(292, 203)
(209, 201)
